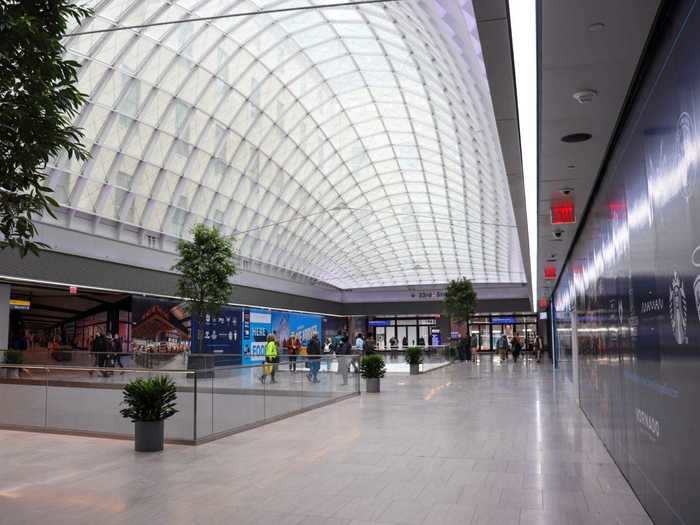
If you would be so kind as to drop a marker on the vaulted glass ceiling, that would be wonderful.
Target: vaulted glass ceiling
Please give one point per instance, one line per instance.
(354, 145)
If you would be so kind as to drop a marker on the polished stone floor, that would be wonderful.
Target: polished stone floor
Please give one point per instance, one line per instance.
(467, 444)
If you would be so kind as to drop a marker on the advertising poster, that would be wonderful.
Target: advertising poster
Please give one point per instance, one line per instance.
(291, 324)
(222, 335)
(159, 325)
(257, 326)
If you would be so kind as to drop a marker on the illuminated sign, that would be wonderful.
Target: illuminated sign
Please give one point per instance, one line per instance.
(550, 273)
(20, 304)
(73, 290)
(563, 213)
(503, 320)
(379, 323)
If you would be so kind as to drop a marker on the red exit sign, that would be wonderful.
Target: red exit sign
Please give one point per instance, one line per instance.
(563, 213)
(550, 273)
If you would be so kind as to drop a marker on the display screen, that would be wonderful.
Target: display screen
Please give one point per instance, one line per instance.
(633, 283)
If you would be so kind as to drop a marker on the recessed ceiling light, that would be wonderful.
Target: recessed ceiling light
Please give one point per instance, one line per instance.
(576, 137)
(571, 166)
(596, 27)
(585, 96)
(566, 191)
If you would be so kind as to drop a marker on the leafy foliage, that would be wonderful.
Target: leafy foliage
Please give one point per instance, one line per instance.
(372, 367)
(14, 357)
(38, 100)
(460, 299)
(414, 355)
(149, 399)
(205, 265)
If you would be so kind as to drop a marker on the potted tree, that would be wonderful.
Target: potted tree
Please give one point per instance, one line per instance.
(13, 357)
(206, 266)
(372, 369)
(148, 403)
(414, 358)
(460, 303)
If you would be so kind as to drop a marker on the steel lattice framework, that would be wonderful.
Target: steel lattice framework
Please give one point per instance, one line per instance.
(353, 145)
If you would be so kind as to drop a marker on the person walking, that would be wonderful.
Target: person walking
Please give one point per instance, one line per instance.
(370, 346)
(474, 344)
(291, 354)
(327, 353)
(463, 349)
(271, 359)
(342, 353)
(314, 351)
(538, 348)
(118, 348)
(517, 347)
(502, 347)
(394, 346)
(357, 354)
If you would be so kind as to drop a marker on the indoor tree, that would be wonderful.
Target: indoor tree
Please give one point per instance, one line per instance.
(205, 266)
(38, 101)
(460, 299)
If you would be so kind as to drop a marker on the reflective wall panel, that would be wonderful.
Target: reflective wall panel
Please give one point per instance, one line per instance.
(633, 281)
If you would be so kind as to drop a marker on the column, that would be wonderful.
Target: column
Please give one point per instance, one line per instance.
(4, 316)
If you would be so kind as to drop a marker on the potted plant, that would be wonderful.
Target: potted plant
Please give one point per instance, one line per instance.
(372, 369)
(149, 402)
(414, 358)
(13, 357)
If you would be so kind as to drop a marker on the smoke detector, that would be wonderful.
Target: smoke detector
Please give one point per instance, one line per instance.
(585, 96)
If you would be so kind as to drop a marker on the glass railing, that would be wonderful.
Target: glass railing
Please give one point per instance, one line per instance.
(211, 402)
(85, 358)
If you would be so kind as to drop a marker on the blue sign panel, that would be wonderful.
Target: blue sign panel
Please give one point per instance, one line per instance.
(379, 323)
(222, 335)
(503, 320)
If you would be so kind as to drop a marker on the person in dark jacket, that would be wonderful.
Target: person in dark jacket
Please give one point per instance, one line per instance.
(517, 347)
(314, 352)
(342, 353)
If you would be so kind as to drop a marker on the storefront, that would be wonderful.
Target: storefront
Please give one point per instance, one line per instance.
(408, 330)
(489, 328)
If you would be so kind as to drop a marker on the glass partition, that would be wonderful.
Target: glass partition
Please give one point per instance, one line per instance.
(211, 402)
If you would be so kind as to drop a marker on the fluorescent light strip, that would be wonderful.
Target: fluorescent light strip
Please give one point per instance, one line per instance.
(523, 27)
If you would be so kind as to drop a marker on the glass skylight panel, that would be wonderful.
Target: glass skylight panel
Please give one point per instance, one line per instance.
(294, 114)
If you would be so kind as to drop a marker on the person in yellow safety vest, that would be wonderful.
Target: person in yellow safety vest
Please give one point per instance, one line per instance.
(271, 359)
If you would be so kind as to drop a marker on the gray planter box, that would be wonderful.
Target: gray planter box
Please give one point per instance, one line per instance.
(149, 436)
(415, 369)
(373, 385)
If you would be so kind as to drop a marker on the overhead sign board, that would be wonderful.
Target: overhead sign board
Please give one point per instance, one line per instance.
(20, 304)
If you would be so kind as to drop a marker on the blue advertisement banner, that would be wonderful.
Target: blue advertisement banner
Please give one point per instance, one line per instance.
(257, 326)
(222, 335)
(291, 324)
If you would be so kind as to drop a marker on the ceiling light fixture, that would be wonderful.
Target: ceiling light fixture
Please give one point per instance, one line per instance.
(596, 27)
(585, 96)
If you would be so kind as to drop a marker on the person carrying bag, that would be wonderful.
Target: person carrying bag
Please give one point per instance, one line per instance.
(271, 359)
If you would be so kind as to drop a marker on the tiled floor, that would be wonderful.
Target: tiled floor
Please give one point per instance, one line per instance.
(487, 444)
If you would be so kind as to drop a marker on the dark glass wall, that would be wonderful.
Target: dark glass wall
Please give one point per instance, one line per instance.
(633, 281)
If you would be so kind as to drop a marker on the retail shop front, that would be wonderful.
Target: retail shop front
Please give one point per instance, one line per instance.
(488, 328)
(408, 330)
